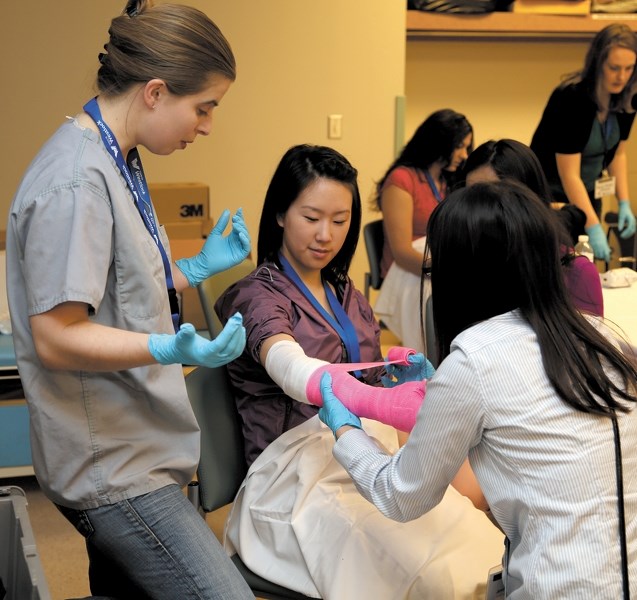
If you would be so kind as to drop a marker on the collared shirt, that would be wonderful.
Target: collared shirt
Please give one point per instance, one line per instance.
(546, 470)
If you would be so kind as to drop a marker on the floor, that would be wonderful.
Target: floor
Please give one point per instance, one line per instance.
(60, 548)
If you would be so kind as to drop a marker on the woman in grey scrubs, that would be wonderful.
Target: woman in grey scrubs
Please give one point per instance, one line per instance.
(92, 293)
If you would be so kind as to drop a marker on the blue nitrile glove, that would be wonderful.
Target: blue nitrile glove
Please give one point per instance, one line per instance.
(626, 221)
(598, 241)
(419, 368)
(218, 253)
(189, 348)
(333, 413)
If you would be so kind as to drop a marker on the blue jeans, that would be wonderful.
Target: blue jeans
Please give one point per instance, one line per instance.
(155, 546)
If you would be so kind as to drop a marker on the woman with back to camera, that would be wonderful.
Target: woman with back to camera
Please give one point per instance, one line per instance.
(510, 159)
(415, 183)
(92, 292)
(538, 395)
(330, 543)
(582, 135)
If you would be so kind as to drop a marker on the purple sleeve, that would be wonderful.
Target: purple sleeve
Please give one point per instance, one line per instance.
(583, 282)
(266, 312)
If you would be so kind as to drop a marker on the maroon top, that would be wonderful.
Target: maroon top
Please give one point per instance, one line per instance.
(272, 304)
(585, 286)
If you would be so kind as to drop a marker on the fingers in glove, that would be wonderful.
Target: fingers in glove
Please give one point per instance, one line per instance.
(222, 223)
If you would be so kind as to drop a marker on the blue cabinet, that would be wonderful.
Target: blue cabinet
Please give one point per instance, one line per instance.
(15, 448)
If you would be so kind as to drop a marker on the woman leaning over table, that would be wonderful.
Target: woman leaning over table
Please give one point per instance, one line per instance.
(581, 138)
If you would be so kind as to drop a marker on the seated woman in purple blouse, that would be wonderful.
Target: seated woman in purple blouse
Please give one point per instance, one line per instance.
(510, 159)
(297, 519)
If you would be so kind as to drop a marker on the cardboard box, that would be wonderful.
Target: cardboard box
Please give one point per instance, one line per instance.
(182, 208)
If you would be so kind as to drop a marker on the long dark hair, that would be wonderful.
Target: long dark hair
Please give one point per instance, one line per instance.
(499, 238)
(511, 159)
(435, 139)
(301, 166)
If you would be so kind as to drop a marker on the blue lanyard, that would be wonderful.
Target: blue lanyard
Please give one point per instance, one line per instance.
(433, 187)
(137, 184)
(342, 324)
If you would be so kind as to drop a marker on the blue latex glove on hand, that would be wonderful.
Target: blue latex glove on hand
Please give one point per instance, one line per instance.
(333, 413)
(189, 348)
(598, 241)
(419, 368)
(626, 219)
(218, 253)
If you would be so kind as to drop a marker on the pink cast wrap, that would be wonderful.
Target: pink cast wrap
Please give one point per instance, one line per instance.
(397, 406)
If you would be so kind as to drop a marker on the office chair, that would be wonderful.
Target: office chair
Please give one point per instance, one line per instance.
(627, 246)
(210, 289)
(374, 239)
(222, 465)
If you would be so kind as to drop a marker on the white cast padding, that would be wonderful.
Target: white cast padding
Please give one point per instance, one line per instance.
(291, 369)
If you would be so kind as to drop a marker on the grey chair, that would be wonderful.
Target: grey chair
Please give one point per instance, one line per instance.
(210, 289)
(222, 465)
(374, 237)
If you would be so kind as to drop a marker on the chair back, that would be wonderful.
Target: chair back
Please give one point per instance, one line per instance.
(222, 465)
(374, 237)
(210, 289)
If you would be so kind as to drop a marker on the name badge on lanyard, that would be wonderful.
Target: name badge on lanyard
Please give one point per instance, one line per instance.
(139, 189)
(605, 183)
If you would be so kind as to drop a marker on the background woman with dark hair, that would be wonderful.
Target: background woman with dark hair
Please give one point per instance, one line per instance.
(410, 190)
(417, 181)
(537, 395)
(581, 138)
(510, 159)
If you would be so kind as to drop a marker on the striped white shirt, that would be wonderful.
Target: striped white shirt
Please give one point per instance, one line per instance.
(547, 470)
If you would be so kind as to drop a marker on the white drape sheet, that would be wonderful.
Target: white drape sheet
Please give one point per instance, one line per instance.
(299, 521)
(398, 302)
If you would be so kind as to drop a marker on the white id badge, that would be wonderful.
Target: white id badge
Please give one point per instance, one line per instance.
(604, 186)
(495, 585)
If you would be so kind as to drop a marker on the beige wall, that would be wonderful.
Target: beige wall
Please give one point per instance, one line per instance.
(500, 86)
(297, 62)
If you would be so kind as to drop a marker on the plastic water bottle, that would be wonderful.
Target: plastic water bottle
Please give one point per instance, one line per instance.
(584, 248)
